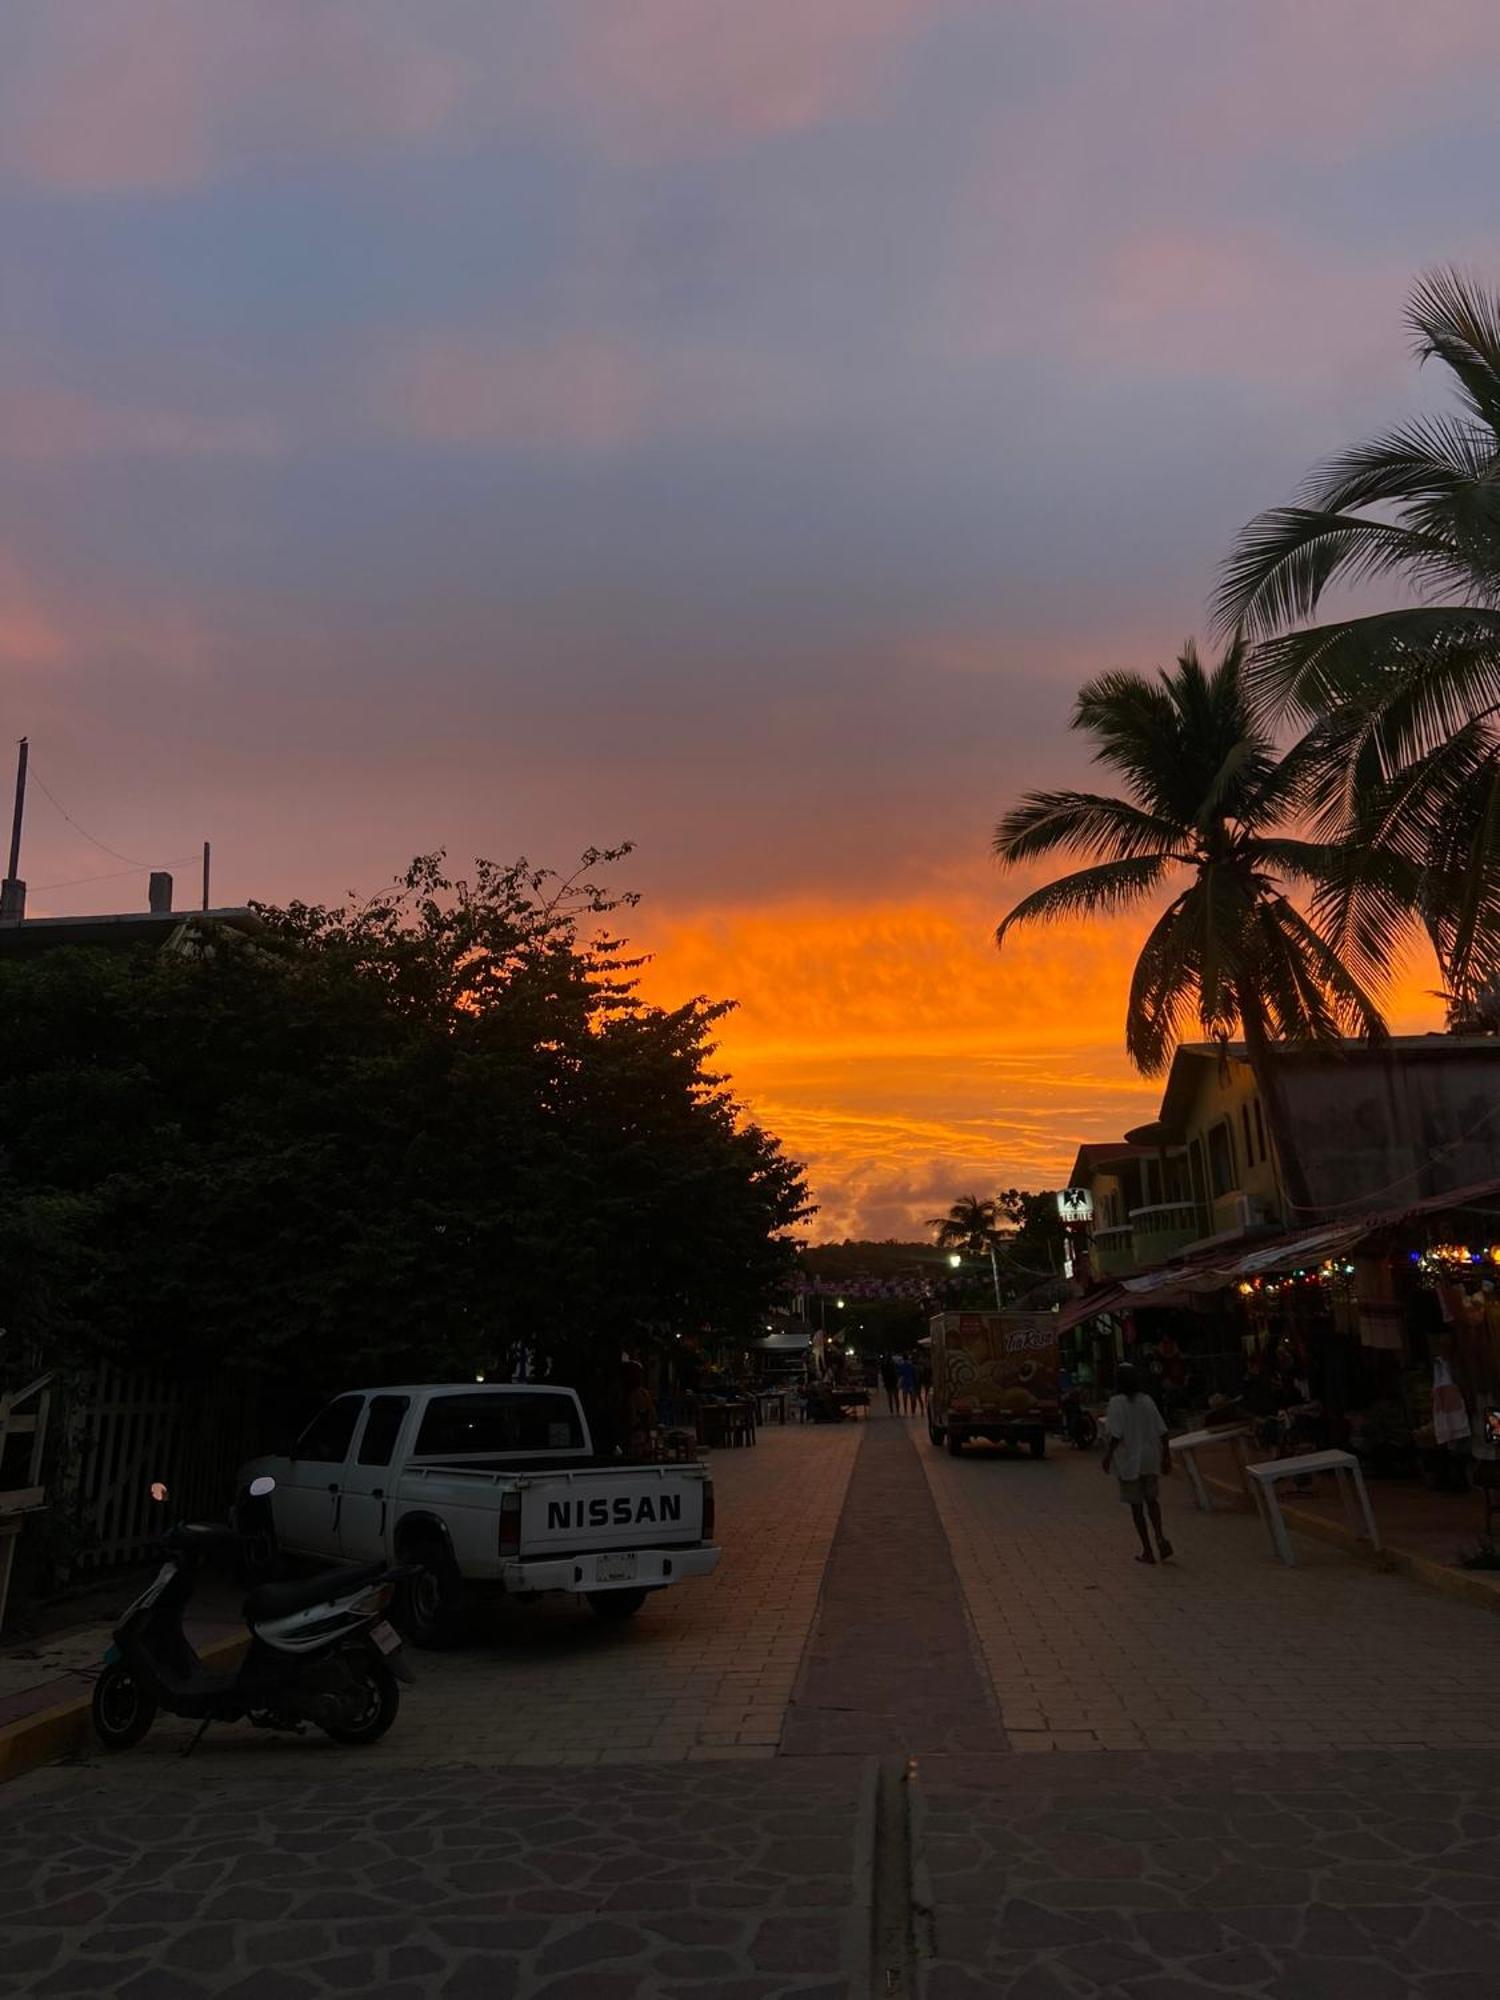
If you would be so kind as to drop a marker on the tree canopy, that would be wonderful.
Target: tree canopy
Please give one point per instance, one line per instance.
(414, 1136)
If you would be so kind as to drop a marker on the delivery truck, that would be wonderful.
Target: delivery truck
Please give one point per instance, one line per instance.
(994, 1376)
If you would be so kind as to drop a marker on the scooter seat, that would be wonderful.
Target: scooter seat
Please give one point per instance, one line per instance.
(300, 1593)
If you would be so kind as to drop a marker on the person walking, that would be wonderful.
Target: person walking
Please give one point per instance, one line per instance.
(890, 1382)
(1137, 1454)
(906, 1375)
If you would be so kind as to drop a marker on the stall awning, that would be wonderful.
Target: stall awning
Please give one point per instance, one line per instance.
(784, 1343)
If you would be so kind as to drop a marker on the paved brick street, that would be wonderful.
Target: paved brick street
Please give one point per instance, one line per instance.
(705, 1670)
(1222, 1648)
(1238, 1814)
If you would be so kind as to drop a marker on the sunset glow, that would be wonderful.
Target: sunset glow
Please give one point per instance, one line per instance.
(732, 429)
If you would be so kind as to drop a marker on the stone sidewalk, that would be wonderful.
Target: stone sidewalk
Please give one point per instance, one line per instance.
(653, 1883)
(1361, 1876)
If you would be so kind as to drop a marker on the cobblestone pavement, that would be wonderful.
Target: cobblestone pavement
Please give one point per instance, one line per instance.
(656, 1883)
(704, 1671)
(1361, 1876)
(1222, 1648)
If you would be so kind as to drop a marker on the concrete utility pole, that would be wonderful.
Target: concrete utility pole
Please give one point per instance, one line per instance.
(13, 889)
(205, 874)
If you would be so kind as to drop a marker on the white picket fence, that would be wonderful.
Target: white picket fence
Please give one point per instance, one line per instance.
(126, 1430)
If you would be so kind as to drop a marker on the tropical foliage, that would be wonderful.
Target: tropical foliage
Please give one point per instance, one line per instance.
(1206, 825)
(1404, 698)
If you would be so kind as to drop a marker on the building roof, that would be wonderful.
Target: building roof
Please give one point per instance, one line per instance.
(1096, 1153)
(133, 927)
(1187, 1067)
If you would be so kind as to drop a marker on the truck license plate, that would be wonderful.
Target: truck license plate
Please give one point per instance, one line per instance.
(386, 1637)
(616, 1569)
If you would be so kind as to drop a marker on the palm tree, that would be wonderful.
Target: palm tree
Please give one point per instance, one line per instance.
(1206, 797)
(969, 1226)
(1411, 694)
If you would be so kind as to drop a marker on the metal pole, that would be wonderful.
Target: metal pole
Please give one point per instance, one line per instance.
(205, 874)
(995, 1274)
(15, 826)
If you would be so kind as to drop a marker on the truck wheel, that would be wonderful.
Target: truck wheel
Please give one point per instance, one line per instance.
(431, 1609)
(934, 1432)
(616, 1604)
(955, 1443)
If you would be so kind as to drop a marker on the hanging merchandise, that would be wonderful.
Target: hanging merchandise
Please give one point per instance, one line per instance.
(1378, 1314)
(1450, 1415)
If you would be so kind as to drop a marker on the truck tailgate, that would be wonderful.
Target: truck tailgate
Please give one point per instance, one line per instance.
(627, 1506)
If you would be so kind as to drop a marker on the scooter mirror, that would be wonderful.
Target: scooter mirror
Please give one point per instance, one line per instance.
(158, 1490)
(259, 1488)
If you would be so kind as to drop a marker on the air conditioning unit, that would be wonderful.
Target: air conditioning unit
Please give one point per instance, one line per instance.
(1252, 1211)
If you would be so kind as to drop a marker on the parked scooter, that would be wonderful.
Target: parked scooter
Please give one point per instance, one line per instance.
(320, 1650)
(1079, 1425)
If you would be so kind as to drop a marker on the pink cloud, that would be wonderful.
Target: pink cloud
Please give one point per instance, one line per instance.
(29, 634)
(663, 71)
(153, 94)
(580, 393)
(47, 426)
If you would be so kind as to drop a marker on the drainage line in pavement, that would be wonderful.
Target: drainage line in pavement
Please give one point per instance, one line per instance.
(893, 1913)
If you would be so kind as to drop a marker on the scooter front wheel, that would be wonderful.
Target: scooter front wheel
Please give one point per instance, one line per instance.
(122, 1709)
(371, 1702)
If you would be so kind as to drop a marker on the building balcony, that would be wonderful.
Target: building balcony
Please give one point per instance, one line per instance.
(1112, 1251)
(1165, 1230)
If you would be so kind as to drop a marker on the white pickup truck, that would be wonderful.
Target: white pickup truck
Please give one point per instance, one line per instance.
(476, 1486)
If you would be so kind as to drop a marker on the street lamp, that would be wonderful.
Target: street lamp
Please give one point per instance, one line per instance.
(955, 1259)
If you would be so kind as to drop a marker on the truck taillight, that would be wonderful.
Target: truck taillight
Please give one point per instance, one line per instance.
(708, 1510)
(510, 1524)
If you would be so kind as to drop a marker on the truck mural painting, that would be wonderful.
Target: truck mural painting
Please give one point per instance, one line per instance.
(994, 1376)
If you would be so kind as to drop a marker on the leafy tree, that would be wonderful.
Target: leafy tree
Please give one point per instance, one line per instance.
(417, 1136)
(1206, 798)
(1407, 697)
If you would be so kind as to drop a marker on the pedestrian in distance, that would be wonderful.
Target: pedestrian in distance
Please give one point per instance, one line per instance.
(890, 1382)
(906, 1375)
(1137, 1453)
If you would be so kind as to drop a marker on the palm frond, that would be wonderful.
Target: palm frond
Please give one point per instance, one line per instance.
(1089, 892)
(1086, 822)
(1456, 320)
(1286, 558)
(1323, 667)
(1162, 988)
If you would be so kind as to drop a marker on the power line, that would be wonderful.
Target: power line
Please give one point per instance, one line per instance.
(80, 881)
(101, 845)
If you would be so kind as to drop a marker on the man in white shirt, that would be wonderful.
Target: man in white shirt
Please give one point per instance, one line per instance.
(1137, 1454)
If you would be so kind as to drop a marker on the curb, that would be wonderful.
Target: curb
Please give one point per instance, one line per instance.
(1456, 1583)
(54, 1733)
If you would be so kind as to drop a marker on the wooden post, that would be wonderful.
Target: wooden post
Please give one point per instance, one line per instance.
(205, 874)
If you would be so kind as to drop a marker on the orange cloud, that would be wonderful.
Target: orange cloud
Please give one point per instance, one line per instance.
(906, 1061)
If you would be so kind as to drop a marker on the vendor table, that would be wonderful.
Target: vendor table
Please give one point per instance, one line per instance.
(1188, 1446)
(1351, 1483)
(773, 1406)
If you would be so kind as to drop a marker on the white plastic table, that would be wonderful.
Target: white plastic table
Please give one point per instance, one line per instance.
(1351, 1481)
(1191, 1443)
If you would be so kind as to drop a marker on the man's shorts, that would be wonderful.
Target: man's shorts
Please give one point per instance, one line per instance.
(1134, 1491)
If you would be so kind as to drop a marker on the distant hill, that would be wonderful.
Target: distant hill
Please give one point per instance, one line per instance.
(852, 1259)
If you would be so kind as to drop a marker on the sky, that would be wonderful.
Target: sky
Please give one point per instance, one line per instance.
(734, 429)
